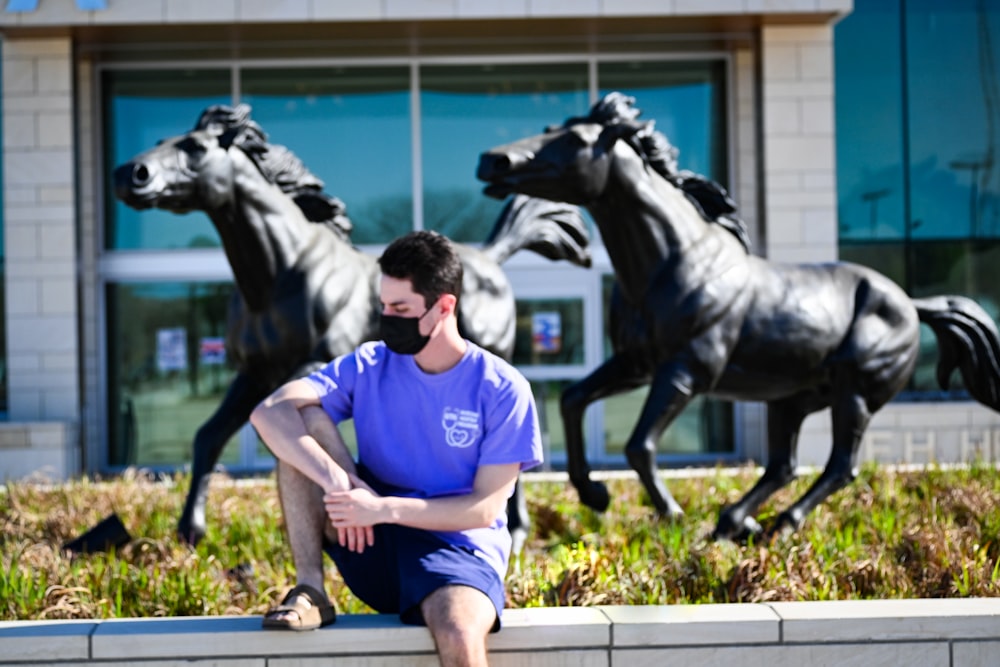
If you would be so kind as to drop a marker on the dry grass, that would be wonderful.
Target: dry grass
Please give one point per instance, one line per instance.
(934, 533)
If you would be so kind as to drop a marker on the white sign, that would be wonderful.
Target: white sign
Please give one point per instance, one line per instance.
(171, 349)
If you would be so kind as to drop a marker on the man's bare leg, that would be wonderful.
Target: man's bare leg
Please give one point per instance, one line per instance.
(459, 618)
(302, 505)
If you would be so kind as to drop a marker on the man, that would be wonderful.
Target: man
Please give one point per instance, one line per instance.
(418, 526)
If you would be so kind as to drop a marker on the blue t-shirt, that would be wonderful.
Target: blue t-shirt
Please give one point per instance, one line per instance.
(424, 435)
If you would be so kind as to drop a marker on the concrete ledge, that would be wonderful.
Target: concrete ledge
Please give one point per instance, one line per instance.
(948, 632)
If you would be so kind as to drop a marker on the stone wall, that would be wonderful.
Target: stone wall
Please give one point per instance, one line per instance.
(933, 633)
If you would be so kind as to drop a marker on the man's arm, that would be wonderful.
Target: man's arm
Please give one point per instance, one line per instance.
(299, 432)
(281, 422)
(478, 509)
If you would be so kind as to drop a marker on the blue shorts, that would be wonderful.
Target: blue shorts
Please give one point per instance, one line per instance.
(405, 565)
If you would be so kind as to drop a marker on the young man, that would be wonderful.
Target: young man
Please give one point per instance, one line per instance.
(418, 526)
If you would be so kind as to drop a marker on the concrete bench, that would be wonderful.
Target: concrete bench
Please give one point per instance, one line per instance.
(947, 632)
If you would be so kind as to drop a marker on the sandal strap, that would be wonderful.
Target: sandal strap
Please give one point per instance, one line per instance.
(315, 597)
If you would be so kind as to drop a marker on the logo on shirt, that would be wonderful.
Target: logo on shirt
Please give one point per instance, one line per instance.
(460, 427)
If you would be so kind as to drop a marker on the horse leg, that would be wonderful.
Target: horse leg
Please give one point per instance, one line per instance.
(668, 395)
(613, 376)
(851, 415)
(784, 419)
(209, 441)
(518, 520)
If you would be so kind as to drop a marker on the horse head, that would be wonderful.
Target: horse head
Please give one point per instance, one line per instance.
(572, 162)
(191, 171)
(196, 170)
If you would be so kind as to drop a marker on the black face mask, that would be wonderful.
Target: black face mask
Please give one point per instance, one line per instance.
(402, 334)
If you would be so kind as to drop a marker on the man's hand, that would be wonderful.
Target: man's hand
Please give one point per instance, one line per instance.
(353, 513)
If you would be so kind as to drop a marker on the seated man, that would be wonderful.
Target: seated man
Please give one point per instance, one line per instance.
(418, 526)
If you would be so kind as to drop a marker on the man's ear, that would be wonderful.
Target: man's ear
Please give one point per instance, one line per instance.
(448, 303)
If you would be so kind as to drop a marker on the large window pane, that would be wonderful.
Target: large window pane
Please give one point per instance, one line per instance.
(140, 108)
(468, 109)
(166, 372)
(917, 86)
(952, 51)
(351, 128)
(869, 107)
(686, 99)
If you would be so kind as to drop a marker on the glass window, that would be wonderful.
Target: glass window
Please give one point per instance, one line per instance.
(167, 369)
(141, 108)
(688, 102)
(351, 128)
(869, 108)
(917, 86)
(3, 296)
(468, 109)
(549, 332)
(952, 51)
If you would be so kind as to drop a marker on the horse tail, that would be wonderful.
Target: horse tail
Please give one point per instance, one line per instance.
(968, 340)
(552, 229)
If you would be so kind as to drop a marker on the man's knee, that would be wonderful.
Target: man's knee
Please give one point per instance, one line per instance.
(458, 613)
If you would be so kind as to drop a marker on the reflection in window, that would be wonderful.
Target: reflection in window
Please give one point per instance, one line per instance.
(687, 101)
(351, 128)
(167, 369)
(468, 109)
(140, 109)
(549, 332)
(918, 173)
(869, 123)
(952, 55)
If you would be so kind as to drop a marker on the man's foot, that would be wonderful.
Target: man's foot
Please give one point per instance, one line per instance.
(303, 608)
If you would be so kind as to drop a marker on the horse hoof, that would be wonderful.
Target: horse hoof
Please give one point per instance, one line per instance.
(190, 535)
(670, 510)
(740, 533)
(784, 524)
(595, 496)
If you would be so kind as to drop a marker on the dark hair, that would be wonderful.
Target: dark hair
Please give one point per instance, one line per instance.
(428, 260)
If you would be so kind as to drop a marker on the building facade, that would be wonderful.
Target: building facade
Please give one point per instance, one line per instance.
(114, 316)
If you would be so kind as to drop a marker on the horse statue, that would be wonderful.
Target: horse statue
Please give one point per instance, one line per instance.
(694, 312)
(304, 294)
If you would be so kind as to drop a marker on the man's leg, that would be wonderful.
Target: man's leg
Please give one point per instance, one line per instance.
(302, 506)
(459, 618)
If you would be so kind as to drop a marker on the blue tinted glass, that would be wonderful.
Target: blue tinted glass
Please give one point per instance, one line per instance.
(351, 128)
(952, 53)
(141, 108)
(687, 102)
(869, 112)
(466, 110)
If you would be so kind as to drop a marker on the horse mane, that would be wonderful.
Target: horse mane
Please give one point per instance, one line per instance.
(708, 197)
(277, 164)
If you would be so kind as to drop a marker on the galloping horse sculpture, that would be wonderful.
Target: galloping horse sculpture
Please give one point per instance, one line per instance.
(696, 313)
(304, 293)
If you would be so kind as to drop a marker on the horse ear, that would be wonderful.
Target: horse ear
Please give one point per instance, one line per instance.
(622, 130)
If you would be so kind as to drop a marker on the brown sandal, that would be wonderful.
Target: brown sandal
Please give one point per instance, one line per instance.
(317, 614)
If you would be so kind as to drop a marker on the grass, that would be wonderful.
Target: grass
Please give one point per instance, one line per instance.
(934, 533)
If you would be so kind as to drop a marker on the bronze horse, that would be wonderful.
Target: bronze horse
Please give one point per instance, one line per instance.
(696, 313)
(304, 293)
